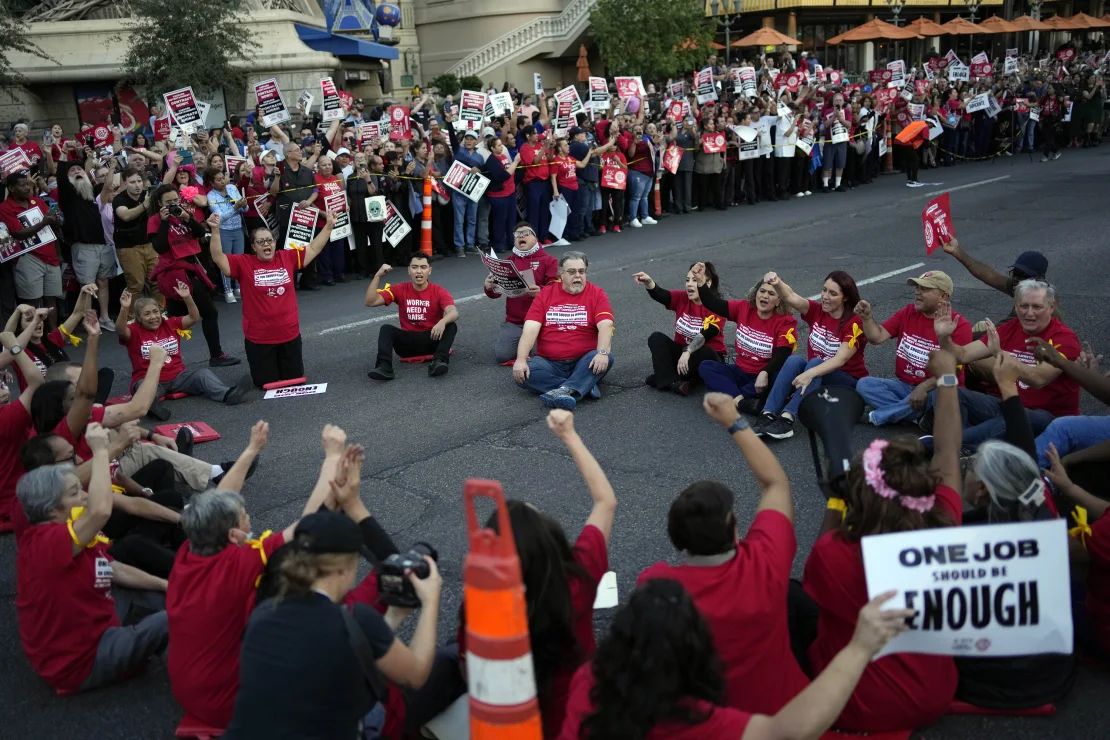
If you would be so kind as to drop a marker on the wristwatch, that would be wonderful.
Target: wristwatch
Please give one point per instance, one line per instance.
(604, 352)
(740, 424)
(948, 380)
(14, 350)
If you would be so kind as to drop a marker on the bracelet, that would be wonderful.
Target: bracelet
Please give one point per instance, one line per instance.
(740, 424)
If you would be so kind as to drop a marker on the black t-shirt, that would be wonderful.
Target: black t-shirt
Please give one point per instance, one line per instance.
(298, 676)
(296, 186)
(128, 233)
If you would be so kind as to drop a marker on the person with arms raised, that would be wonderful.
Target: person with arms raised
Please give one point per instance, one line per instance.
(16, 423)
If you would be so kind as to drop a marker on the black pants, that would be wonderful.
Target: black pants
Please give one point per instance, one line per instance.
(270, 363)
(368, 246)
(664, 357)
(799, 172)
(765, 177)
(105, 377)
(747, 176)
(413, 343)
(146, 544)
(209, 316)
(910, 162)
(783, 165)
(801, 616)
(612, 206)
(709, 189)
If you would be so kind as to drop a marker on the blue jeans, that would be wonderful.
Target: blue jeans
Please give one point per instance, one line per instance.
(587, 197)
(1029, 139)
(1071, 433)
(546, 375)
(982, 418)
(640, 185)
(783, 389)
(721, 377)
(890, 399)
(466, 221)
(483, 222)
(330, 263)
(503, 212)
(232, 241)
(538, 193)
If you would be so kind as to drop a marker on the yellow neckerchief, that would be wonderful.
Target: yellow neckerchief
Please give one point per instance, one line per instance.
(74, 340)
(837, 504)
(1082, 530)
(857, 332)
(791, 338)
(185, 334)
(256, 544)
(75, 514)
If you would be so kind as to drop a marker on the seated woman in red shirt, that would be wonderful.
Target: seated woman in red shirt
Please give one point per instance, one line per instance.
(656, 676)
(893, 487)
(698, 332)
(560, 580)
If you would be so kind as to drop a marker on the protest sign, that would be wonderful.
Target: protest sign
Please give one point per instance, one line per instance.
(537, 83)
(748, 82)
(15, 247)
(820, 72)
(502, 103)
(1068, 106)
(569, 94)
(764, 128)
(805, 143)
(672, 157)
(270, 103)
(400, 125)
(563, 119)
(396, 228)
(162, 128)
(713, 143)
(629, 87)
(921, 87)
(949, 59)
(301, 228)
(748, 150)
(472, 106)
(983, 591)
(744, 133)
(897, 70)
(296, 391)
(883, 149)
(13, 160)
(835, 78)
(232, 164)
(337, 203)
(369, 134)
(509, 280)
(304, 103)
(331, 107)
(614, 175)
(704, 86)
(929, 74)
(1012, 53)
(785, 114)
(737, 82)
(879, 76)
(936, 220)
(182, 105)
(599, 94)
(982, 69)
(1010, 66)
(789, 80)
(936, 128)
(993, 107)
(980, 58)
(346, 99)
(677, 89)
(1066, 54)
(676, 110)
(838, 133)
(978, 103)
(375, 208)
(1035, 113)
(460, 179)
(917, 111)
(959, 72)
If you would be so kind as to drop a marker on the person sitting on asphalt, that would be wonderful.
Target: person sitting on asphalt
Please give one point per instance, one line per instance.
(1029, 265)
(834, 351)
(910, 393)
(150, 328)
(1046, 393)
(740, 585)
(16, 422)
(698, 332)
(570, 324)
(766, 334)
(71, 596)
(1072, 434)
(427, 314)
(527, 255)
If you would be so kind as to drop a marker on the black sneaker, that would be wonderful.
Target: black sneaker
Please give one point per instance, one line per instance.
(681, 387)
(762, 423)
(227, 465)
(159, 411)
(438, 368)
(841, 189)
(779, 428)
(749, 406)
(381, 372)
(238, 393)
(223, 360)
(925, 422)
(184, 441)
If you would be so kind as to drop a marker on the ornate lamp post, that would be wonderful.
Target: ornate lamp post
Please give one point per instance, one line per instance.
(896, 10)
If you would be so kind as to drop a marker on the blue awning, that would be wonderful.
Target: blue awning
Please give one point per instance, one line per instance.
(318, 39)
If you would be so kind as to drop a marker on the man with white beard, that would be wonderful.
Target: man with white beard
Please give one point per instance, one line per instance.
(94, 260)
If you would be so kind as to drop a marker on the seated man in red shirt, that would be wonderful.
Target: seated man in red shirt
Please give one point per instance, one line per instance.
(1045, 391)
(65, 600)
(740, 585)
(527, 254)
(427, 315)
(570, 323)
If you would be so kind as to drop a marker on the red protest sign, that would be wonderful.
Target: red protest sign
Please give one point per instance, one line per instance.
(614, 174)
(628, 87)
(834, 77)
(982, 69)
(879, 75)
(790, 80)
(675, 110)
(1065, 55)
(936, 220)
(101, 134)
(921, 86)
(400, 126)
(713, 143)
(672, 158)
(13, 160)
(162, 128)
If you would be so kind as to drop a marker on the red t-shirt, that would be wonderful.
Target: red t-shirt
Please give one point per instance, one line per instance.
(255, 187)
(545, 269)
(916, 339)
(417, 310)
(270, 313)
(39, 354)
(140, 341)
(720, 723)
(80, 446)
(569, 321)
(826, 334)
(566, 172)
(1098, 580)
(898, 691)
(63, 602)
(689, 320)
(182, 242)
(208, 603)
(9, 215)
(744, 602)
(1061, 396)
(30, 148)
(534, 170)
(757, 338)
(15, 428)
(508, 187)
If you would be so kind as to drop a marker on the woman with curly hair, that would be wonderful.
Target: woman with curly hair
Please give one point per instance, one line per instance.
(656, 675)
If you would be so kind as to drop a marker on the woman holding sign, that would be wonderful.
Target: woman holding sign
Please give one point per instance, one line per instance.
(332, 258)
(271, 318)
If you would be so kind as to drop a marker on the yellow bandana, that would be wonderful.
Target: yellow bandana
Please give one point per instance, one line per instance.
(75, 341)
(1081, 531)
(857, 332)
(75, 514)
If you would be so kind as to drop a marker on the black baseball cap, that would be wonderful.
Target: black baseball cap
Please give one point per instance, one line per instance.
(1031, 264)
(328, 532)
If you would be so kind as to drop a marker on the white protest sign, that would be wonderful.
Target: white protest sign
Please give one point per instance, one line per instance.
(502, 103)
(978, 103)
(959, 72)
(472, 108)
(748, 82)
(1010, 66)
(301, 228)
(337, 203)
(703, 85)
(12, 247)
(599, 94)
(509, 280)
(980, 58)
(991, 590)
(606, 597)
(375, 208)
(993, 107)
(805, 143)
(396, 228)
(460, 179)
(304, 103)
(570, 94)
(13, 160)
(331, 107)
(897, 73)
(936, 128)
(270, 103)
(295, 391)
(182, 105)
(537, 83)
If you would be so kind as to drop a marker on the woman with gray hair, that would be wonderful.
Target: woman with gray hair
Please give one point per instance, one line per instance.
(68, 596)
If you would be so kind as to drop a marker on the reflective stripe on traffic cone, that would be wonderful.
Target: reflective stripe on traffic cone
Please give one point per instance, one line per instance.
(888, 160)
(426, 221)
(499, 670)
(658, 198)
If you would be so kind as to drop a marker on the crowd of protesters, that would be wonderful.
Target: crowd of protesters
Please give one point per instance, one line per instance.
(128, 545)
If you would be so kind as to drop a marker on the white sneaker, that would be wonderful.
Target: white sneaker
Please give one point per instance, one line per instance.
(1044, 159)
(799, 195)
(229, 297)
(560, 243)
(1055, 156)
(107, 325)
(649, 221)
(237, 293)
(809, 192)
(635, 223)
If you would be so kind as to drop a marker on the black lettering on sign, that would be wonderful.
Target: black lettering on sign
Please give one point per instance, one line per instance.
(1004, 605)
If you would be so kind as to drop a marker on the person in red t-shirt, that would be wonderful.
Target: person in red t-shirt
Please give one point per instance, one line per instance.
(150, 328)
(66, 608)
(528, 255)
(656, 676)
(427, 315)
(698, 332)
(332, 258)
(570, 323)
(271, 318)
(38, 275)
(535, 158)
(20, 141)
(893, 487)
(1045, 391)
(834, 352)
(564, 184)
(15, 416)
(740, 585)
(910, 394)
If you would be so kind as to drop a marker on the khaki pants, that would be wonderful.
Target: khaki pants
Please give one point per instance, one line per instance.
(137, 263)
(194, 473)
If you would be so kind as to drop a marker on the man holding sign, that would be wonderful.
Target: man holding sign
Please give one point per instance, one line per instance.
(538, 268)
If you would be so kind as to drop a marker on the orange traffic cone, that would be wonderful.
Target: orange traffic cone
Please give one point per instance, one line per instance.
(499, 670)
(426, 221)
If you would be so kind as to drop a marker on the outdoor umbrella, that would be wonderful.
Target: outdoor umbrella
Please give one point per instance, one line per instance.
(690, 44)
(1057, 23)
(925, 27)
(1028, 23)
(766, 37)
(994, 24)
(962, 27)
(872, 31)
(1089, 21)
(583, 64)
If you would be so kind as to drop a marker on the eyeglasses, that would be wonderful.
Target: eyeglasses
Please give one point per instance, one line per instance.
(574, 270)
(263, 242)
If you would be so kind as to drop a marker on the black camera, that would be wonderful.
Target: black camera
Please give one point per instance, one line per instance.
(175, 209)
(394, 588)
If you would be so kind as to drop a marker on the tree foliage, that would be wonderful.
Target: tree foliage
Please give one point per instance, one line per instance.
(446, 84)
(652, 38)
(13, 37)
(472, 82)
(197, 43)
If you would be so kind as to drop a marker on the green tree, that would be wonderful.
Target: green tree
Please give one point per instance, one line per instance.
(472, 82)
(13, 31)
(446, 84)
(197, 43)
(652, 38)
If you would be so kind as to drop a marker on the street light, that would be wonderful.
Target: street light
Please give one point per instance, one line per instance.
(973, 7)
(896, 9)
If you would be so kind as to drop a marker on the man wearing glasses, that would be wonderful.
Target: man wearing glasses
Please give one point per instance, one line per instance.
(570, 323)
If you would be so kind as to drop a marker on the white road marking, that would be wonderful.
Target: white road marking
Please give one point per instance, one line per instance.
(877, 278)
(386, 317)
(969, 185)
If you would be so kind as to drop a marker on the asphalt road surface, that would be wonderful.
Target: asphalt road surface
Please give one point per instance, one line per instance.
(425, 436)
